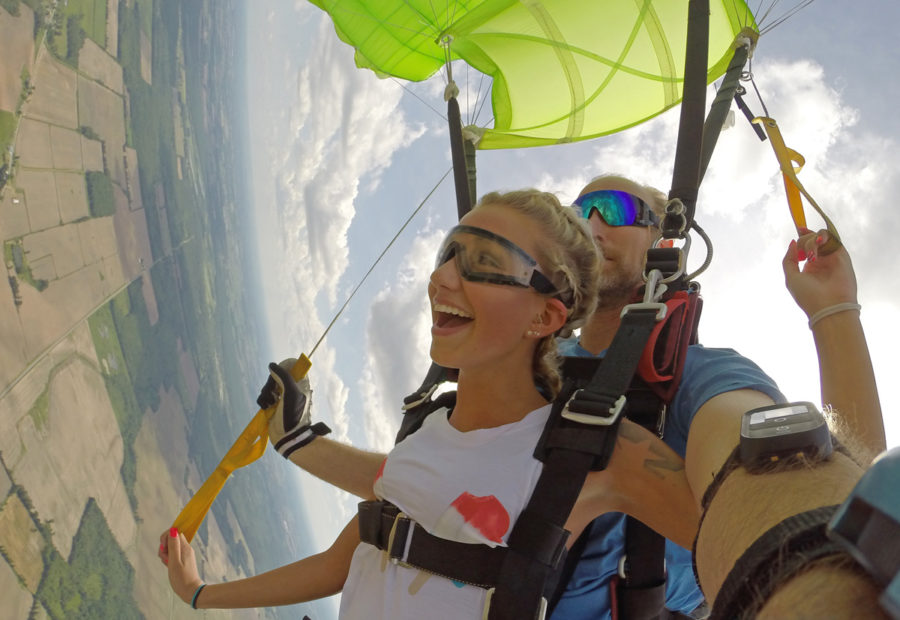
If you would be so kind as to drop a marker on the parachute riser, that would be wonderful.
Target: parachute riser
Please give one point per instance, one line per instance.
(462, 152)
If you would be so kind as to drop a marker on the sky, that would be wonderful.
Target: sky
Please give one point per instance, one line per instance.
(341, 158)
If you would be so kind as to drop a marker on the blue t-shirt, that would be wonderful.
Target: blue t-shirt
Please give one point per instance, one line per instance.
(707, 373)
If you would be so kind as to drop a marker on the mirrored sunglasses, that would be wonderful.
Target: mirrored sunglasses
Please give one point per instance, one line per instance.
(616, 208)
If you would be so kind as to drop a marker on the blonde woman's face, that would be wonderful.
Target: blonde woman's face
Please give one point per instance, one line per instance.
(476, 323)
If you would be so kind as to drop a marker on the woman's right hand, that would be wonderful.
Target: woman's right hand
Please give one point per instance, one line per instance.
(176, 553)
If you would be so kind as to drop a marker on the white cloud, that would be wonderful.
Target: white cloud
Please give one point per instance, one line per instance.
(397, 343)
(343, 128)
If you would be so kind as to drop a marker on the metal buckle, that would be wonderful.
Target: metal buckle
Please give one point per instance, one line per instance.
(661, 420)
(593, 420)
(390, 542)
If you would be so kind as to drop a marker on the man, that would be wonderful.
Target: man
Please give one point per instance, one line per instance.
(714, 380)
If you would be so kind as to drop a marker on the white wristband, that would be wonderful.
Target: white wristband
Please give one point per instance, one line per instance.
(835, 309)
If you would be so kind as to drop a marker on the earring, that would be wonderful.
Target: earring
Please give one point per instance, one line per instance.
(538, 320)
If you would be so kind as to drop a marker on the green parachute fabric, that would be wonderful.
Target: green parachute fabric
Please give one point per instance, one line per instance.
(563, 70)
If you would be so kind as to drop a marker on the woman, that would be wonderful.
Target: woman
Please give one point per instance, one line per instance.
(518, 270)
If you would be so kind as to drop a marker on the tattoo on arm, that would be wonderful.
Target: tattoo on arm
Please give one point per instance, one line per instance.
(657, 458)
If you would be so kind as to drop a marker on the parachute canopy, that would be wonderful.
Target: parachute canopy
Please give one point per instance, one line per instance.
(563, 70)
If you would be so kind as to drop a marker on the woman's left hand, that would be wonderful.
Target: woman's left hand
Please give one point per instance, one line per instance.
(825, 280)
(176, 553)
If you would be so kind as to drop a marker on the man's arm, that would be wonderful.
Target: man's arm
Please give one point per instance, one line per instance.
(340, 464)
(645, 479)
(747, 505)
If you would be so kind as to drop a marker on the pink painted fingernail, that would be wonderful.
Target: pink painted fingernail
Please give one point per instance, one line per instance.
(801, 254)
(820, 240)
(812, 258)
(173, 532)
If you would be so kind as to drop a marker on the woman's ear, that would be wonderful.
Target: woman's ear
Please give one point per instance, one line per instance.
(554, 315)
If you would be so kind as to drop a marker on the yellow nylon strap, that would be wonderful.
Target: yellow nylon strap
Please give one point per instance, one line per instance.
(787, 157)
(249, 446)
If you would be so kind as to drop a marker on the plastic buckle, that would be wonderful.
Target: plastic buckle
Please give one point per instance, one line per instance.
(423, 397)
(622, 568)
(594, 420)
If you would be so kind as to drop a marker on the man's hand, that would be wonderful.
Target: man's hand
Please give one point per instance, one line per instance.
(289, 427)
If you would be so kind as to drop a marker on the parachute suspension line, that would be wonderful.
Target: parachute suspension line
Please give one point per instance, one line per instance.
(378, 260)
(483, 101)
(747, 76)
(783, 18)
(413, 93)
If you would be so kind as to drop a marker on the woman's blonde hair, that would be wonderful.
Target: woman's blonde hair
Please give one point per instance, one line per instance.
(568, 258)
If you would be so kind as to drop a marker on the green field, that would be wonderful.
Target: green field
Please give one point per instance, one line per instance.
(7, 129)
(93, 18)
(101, 199)
(96, 582)
(119, 388)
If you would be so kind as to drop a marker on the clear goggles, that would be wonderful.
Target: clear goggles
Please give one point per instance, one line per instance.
(483, 256)
(616, 208)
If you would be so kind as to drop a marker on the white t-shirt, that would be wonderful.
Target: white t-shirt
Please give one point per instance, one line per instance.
(468, 487)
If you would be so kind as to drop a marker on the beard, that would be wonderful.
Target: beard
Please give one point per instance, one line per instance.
(617, 287)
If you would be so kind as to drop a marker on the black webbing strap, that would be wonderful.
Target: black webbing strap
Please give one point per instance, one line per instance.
(415, 416)
(641, 587)
(579, 437)
(383, 525)
(686, 169)
(718, 110)
(464, 189)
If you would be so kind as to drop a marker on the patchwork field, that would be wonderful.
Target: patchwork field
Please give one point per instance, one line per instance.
(97, 63)
(17, 600)
(65, 144)
(17, 52)
(99, 447)
(102, 110)
(61, 458)
(41, 198)
(55, 93)
(112, 27)
(33, 144)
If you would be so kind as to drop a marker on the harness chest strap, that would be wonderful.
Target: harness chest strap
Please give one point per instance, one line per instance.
(384, 526)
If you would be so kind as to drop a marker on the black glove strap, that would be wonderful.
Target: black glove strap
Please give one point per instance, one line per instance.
(298, 438)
